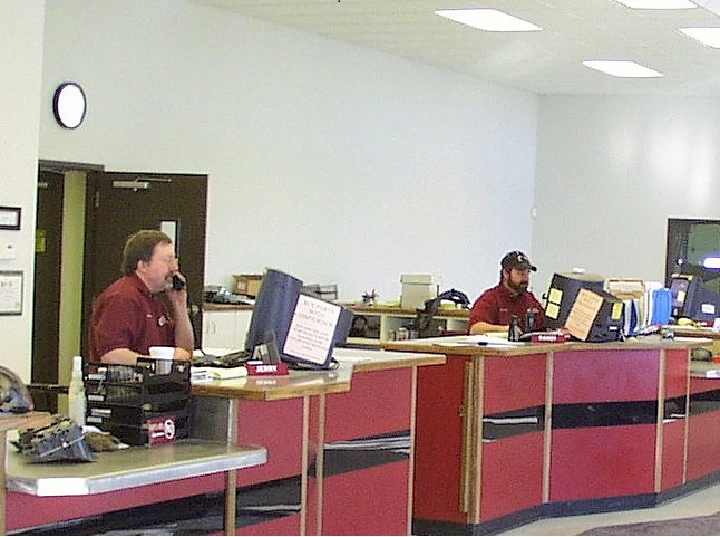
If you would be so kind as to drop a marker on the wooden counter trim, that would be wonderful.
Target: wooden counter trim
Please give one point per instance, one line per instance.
(407, 312)
(359, 309)
(226, 307)
(302, 383)
(547, 442)
(431, 345)
(662, 362)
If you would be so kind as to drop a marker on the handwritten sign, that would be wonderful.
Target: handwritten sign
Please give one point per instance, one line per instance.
(582, 315)
(311, 330)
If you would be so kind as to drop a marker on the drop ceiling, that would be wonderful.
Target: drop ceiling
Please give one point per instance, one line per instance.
(547, 62)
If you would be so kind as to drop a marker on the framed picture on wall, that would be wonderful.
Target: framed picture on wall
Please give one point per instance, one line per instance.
(11, 287)
(10, 218)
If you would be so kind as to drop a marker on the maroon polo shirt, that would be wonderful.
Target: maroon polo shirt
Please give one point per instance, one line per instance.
(128, 315)
(497, 305)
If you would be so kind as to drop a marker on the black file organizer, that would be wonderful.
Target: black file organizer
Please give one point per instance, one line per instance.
(122, 398)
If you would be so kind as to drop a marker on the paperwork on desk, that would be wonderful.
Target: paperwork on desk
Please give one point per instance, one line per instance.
(477, 339)
(200, 374)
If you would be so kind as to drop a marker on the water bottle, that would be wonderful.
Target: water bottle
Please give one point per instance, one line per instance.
(530, 319)
(514, 329)
(77, 404)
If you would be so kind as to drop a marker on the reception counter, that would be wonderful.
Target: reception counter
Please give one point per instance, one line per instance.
(309, 453)
(340, 443)
(508, 434)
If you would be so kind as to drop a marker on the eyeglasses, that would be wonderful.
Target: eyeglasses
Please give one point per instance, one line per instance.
(168, 260)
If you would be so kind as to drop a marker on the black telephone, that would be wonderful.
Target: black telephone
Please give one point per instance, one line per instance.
(177, 283)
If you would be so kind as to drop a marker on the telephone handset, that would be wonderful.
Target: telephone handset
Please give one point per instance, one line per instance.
(177, 283)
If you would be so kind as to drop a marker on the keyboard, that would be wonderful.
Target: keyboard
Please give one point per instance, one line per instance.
(232, 359)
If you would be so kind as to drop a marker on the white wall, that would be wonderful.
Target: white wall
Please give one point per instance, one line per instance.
(335, 163)
(611, 171)
(20, 62)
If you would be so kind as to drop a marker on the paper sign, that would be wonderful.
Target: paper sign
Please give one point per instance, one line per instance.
(583, 313)
(311, 330)
(555, 295)
(552, 311)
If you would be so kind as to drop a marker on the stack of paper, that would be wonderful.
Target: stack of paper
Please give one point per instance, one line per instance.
(209, 373)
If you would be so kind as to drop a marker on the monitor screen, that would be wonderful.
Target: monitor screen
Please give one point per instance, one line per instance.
(702, 303)
(679, 289)
(294, 327)
(562, 292)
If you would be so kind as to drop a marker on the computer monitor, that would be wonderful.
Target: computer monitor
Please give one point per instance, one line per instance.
(679, 286)
(295, 327)
(562, 292)
(701, 303)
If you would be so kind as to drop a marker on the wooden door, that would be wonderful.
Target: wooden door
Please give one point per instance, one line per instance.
(121, 203)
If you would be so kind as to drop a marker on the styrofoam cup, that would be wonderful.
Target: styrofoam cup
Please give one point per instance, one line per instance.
(163, 359)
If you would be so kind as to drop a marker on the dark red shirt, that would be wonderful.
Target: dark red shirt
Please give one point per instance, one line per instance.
(497, 305)
(128, 315)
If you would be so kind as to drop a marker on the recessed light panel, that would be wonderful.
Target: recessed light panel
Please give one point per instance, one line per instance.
(707, 36)
(622, 68)
(657, 4)
(490, 20)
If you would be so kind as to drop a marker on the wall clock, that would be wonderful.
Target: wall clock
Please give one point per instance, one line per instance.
(69, 105)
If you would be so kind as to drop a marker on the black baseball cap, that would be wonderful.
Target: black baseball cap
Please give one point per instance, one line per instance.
(517, 260)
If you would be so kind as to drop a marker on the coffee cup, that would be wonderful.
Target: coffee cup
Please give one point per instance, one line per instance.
(163, 359)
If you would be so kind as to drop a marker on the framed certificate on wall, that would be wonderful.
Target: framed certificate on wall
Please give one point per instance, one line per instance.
(11, 288)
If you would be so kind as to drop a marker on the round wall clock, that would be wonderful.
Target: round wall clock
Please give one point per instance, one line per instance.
(69, 105)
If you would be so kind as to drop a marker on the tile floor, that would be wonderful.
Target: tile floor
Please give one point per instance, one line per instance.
(701, 503)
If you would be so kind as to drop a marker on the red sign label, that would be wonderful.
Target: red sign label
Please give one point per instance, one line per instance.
(161, 430)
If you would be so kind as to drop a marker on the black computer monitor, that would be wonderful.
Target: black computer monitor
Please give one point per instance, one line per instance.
(280, 306)
(562, 292)
(679, 286)
(701, 303)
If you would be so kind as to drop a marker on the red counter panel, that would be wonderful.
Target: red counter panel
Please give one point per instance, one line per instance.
(602, 462)
(25, 511)
(379, 402)
(703, 445)
(600, 376)
(513, 383)
(676, 372)
(512, 471)
(369, 502)
(673, 454)
(438, 439)
(276, 425)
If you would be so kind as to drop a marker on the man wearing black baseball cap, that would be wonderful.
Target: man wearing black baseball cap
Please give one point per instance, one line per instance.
(493, 310)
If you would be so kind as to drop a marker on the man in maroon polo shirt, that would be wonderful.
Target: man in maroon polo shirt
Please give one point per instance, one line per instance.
(493, 310)
(142, 309)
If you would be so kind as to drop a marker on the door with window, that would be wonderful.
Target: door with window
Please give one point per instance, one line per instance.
(119, 204)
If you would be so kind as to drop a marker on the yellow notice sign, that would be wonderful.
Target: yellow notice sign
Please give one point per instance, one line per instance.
(555, 296)
(617, 310)
(40, 241)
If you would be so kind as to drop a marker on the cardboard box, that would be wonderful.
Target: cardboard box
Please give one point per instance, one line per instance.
(416, 289)
(247, 284)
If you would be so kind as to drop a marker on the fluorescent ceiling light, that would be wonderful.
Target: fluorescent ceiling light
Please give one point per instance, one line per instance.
(490, 20)
(707, 36)
(622, 68)
(658, 4)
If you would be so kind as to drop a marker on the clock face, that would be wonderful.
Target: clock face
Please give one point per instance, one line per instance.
(69, 105)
